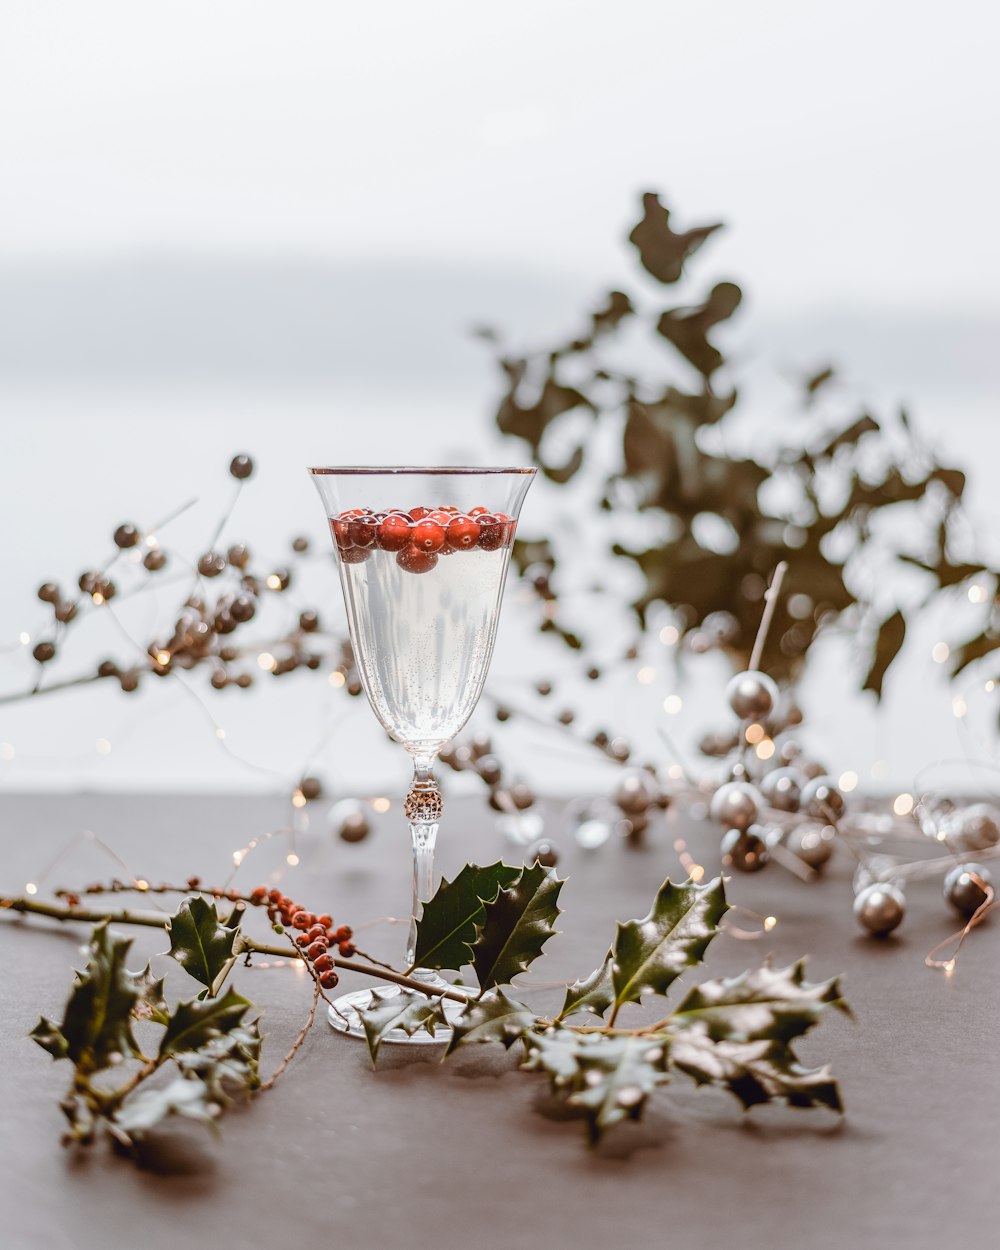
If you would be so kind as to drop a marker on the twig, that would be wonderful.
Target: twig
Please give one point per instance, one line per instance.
(771, 597)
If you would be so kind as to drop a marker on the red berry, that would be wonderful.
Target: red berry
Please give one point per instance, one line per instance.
(347, 949)
(317, 931)
(274, 896)
(323, 962)
(325, 921)
(329, 980)
(315, 949)
(341, 531)
(343, 934)
(393, 533)
(301, 939)
(490, 532)
(462, 533)
(354, 555)
(258, 895)
(441, 515)
(418, 514)
(416, 561)
(300, 920)
(478, 511)
(428, 536)
(363, 530)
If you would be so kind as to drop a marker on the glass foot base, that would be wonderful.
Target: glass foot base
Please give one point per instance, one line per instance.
(343, 1017)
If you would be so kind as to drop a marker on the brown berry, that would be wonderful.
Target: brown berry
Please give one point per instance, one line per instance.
(241, 467)
(329, 979)
(323, 962)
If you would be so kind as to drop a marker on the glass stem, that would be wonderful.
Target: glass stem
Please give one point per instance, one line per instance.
(423, 811)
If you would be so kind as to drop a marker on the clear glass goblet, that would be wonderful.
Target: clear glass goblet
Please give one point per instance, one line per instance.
(423, 555)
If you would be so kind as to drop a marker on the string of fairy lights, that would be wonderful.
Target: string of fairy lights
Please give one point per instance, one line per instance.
(773, 802)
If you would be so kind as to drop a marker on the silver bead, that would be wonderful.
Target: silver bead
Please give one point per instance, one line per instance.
(745, 850)
(880, 907)
(751, 695)
(735, 805)
(811, 842)
(974, 828)
(789, 750)
(963, 891)
(822, 800)
(810, 768)
(781, 789)
(634, 794)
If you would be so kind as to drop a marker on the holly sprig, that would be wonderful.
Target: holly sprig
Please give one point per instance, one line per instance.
(736, 1034)
(602, 1056)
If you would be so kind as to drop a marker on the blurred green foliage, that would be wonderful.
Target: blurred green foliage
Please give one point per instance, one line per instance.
(837, 479)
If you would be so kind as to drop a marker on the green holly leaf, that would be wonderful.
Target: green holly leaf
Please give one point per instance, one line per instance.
(517, 924)
(199, 941)
(608, 1078)
(765, 1004)
(595, 993)
(184, 1096)
(50, 1037)
(450, 921)
(193, 1024)
(96, 1029)
(650, 954)
(492, 1018)
(408, 1010)
(754, 1072)
(230, 1061)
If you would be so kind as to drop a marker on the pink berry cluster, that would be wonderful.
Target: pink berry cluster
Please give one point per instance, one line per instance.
(316, 933)
(420, 536)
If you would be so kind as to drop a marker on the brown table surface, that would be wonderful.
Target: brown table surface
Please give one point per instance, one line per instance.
(419, 1154)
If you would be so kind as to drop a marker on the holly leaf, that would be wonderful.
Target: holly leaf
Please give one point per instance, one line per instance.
(517, 924)
(607, 1078)
(492, 1018)
(650, 954)
(450, 921)
(184, 1096)
(96, 1028)
(595, 993)
(193, 1024)
(199, 941)
(754, 1072)
(408, 1010)
(230, 1061)
(765, 1004)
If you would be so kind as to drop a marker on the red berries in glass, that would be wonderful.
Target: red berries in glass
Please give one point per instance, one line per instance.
(419, 536)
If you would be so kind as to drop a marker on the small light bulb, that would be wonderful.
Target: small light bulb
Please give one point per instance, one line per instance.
(769, 923)
(141, 884)
(291, 858)
(977, 594)
(949, 967)
(381, 804)
(675, 772)
(220, 733)
(696, 872)
(163, 657)
(959, 707)
(238, 857)
(298, 799)
(669, 635)
(97, 597)
(848, 781)
(646, 675)
(273, 581)
(31, 888)
(754, 733)
(765, 749)
(151, 540)
(337, 678)
(24, 639)
(903, 804)
(266, 661)
(672, 704)
(940, 652)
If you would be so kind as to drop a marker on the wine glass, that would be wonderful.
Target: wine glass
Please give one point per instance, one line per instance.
(423, 556)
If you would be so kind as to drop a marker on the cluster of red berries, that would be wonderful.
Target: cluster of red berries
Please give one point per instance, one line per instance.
(420, 536)
(316, 933)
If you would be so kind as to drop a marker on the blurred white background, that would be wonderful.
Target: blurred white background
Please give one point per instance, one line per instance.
(248, 227)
